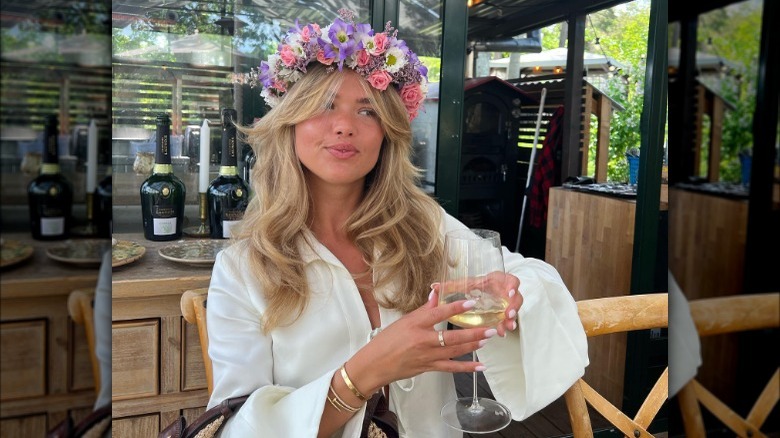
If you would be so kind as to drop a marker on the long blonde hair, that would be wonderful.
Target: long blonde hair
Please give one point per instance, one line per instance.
(394, 219)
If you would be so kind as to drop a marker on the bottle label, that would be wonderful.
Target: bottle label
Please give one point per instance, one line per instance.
(164, 226)
(52, 226)
(227, 227)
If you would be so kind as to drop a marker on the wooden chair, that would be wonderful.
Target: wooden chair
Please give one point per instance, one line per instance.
(731, 314)
(193, 307)
(80, 308)
(604, 316)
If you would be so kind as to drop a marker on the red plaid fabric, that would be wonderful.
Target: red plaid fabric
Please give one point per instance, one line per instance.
(546, 173)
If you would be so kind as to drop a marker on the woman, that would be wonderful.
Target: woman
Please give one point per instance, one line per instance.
(326, 298)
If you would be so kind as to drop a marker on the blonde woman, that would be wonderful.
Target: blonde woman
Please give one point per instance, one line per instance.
(325, 299)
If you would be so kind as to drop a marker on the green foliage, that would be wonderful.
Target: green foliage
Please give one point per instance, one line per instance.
(734, 33)
(434, 67)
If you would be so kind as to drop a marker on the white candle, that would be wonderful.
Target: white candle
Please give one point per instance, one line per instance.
(205, 140)
(92, 140)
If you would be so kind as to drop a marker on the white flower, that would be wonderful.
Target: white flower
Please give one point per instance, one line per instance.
(269, 97)
(394, 59)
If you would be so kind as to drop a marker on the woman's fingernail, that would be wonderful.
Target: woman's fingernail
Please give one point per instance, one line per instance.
(430, 295)
(469, 304)
(511, 293)
(514, 325)
(512, 313)
(480, 368)
(489, 333)
(482, 343)
(433, 285)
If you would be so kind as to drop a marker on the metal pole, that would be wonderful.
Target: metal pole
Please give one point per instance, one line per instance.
(530, 168)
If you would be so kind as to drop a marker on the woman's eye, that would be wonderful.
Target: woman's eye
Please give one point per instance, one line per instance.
(367, 112)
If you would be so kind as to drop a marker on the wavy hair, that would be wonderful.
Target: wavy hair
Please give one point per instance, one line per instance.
(395, 219)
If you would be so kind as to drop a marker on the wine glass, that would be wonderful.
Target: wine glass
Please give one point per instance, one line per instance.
(474, 270)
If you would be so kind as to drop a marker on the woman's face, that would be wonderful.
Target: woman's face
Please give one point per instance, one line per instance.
(341, 145)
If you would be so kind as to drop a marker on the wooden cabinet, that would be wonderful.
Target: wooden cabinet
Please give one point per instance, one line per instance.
(590, 241)
(44, 356)
(157, 367)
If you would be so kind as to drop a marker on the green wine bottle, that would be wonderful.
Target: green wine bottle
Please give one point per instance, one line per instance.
(163, 193)
(227, 195)
(50, 194)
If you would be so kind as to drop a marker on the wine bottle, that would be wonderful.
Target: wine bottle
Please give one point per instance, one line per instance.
(50, 194)
(163, 193)
(227, 195)
(102, 209)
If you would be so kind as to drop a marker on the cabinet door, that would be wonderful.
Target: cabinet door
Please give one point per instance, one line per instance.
(27, 426)
(135, 358)
(23, 359)
(136, 427)
(193, 369)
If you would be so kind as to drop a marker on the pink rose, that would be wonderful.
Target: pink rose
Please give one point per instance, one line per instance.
(380, 44)
(322, 59)
(412, 115)
(306, 34)
(279, 85)
(362, 58)
(379, 79)
(412, 95)
(287, 56)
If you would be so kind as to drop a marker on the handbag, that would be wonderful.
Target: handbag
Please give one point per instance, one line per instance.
(379, 421)
(93, 425)
(207, 424)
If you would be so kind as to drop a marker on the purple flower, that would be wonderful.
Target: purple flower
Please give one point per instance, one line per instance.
(264, 77)
(343, 45)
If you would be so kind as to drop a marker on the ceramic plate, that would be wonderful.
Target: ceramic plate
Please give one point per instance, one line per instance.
(79, 252)
(124, 252)
(193, 252)
(13, 252)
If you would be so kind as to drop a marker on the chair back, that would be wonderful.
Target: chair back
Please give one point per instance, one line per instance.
(193, 308)
(602, 316)
(81, 310)
(723, 315)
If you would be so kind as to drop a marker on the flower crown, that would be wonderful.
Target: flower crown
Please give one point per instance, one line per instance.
(380, 58)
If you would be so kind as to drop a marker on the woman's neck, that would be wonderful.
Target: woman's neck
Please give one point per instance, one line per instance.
(331, 207)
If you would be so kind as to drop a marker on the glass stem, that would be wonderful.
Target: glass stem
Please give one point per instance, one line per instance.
(475, 406)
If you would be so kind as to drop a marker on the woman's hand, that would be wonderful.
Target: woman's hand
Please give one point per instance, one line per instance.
(501, 282)
(410, 346)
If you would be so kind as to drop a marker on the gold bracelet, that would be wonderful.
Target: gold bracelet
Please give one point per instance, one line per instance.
(351, 387)
(340, 404)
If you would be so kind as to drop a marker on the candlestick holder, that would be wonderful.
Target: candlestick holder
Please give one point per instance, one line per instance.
(90, 229)
(201, 230)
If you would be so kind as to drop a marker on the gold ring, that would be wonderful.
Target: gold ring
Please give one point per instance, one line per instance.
(441, 338)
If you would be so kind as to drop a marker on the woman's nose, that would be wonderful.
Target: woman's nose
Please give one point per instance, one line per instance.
(343, 124)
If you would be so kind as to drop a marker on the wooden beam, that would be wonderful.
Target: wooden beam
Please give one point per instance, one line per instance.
(716, 139)
(602, 141)
(570, 160)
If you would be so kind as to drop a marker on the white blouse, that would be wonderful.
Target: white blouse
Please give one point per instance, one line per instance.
(288, 371)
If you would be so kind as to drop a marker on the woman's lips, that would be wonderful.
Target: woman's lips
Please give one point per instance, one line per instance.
(342, 150)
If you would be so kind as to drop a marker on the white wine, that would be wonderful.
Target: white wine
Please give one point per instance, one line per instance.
(478, 316)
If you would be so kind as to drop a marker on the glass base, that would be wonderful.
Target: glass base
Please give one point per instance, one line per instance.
(486, 416)
(84, 230)
(197, 231)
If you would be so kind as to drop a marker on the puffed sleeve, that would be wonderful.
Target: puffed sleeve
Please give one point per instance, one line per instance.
(242, 360)
(533, 366)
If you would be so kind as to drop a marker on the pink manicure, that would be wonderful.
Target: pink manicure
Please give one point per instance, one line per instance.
(511, 293)
(469, 304)
(480, 368)
(512, 313)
